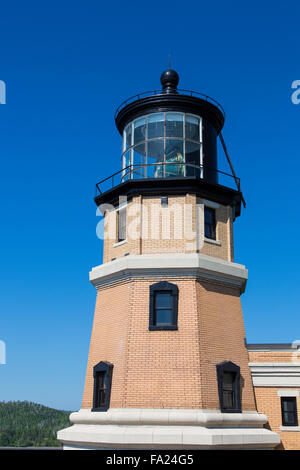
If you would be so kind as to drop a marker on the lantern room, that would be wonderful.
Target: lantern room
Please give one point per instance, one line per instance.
(169, 134)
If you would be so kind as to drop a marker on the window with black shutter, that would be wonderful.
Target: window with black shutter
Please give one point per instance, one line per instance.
(102, 386)
(210, 223)
(100, 398)
(163, 306)
(228, 376)
(121, 216)
(289, 411)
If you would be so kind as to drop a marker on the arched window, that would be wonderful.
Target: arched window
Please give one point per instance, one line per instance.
(228, 375)
(102, 386)
(163, 306)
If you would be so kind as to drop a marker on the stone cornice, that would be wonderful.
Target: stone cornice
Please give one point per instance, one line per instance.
(180, 265)
(275, 374)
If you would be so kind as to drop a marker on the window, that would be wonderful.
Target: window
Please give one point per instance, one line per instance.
(102, 386)
(210, 223)
(289, 411)
(228, 376)
(100, 398)
(163, 306)
(121, 216)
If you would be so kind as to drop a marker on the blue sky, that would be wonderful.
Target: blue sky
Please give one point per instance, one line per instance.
(67, 65)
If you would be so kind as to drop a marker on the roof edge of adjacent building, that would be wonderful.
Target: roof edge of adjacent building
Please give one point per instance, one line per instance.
(273, 346)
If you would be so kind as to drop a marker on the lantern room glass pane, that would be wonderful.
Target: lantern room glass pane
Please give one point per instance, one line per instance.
(155, 124)
(127, 158)
(139, 160)
(128, 136)
(126, 163)
(155, 154)
(192, 127)
(174, 157)
(174, 124)
(192, 158)
(139, 130)
(169, 142)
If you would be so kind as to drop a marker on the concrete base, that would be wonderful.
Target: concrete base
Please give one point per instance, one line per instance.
(131, 428)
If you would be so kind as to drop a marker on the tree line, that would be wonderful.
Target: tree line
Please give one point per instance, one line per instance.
(26, 424)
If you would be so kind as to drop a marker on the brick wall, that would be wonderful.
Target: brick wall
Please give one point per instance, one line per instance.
(221, 338)
(269, 403)
(152, 228)
(270, 356)
(168, 369)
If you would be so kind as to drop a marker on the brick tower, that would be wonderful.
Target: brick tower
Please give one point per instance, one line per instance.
(168, 365)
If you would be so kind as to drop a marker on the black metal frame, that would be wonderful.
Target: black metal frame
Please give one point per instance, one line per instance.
(187, 102)
(164, 138)
(295, 413)
(171, 99)
(229, 367)
(146, 94)
(130, 169)
(107, 368)
(163, 287)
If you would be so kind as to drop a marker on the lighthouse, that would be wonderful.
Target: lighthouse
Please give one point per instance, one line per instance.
(168, 362)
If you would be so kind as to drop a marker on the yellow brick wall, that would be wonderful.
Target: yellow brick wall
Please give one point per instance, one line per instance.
(147, 233)
(270, 356)
(224, 234)
(221, 338)
(132, 246)
(269, 403)
(168, 369)
(109, 340)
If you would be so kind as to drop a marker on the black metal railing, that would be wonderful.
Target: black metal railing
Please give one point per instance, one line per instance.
(167, 170)
(146, 94)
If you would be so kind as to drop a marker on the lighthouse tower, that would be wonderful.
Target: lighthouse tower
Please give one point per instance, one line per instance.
(168, 363)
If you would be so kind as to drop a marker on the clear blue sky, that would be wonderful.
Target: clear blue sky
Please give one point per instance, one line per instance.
(67, 66)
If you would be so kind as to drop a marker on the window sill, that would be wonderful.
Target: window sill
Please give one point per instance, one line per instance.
(214, 242)
(120, 243)
(103, 408)
(163, 328)
(290, 428)
(230, 410)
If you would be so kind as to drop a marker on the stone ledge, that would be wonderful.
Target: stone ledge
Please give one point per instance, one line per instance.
(187, 417)
(180, 429)
(195, 265)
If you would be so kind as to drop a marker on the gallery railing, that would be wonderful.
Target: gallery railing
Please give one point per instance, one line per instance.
(147, 94)
(167, 170)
